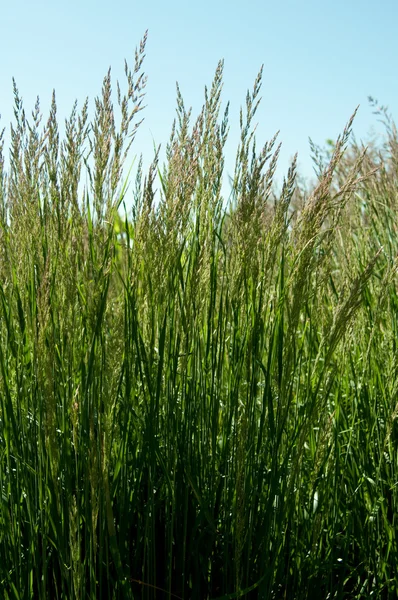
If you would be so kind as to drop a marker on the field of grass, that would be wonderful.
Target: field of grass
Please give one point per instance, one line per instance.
(198, 399)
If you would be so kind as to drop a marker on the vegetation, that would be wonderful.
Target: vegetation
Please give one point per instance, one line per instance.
(197, 399)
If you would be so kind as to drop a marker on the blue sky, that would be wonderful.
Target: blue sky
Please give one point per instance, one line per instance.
(321, 59)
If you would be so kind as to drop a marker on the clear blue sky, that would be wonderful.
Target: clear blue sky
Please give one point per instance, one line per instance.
(321, 59)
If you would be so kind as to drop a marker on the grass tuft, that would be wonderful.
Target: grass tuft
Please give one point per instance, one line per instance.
(198, 397)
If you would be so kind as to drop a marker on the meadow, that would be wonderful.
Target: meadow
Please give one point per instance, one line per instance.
(198, 396)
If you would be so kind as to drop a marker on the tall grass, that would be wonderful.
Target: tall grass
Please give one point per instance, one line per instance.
(199, 399)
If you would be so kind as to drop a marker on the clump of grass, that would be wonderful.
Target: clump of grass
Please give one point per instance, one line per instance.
(197, 397)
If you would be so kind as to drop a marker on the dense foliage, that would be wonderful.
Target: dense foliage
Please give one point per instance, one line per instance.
(198, 399)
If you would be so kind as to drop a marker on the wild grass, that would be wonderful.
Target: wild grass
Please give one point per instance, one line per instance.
(198, 399)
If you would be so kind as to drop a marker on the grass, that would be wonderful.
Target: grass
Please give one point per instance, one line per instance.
(198, 399)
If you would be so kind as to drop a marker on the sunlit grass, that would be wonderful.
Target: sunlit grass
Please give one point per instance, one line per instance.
(199, 399)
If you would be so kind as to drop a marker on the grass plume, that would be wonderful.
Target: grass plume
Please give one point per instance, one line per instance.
(198, 398)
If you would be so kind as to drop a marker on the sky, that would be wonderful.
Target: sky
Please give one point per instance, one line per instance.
(321, 60)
